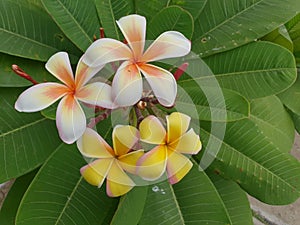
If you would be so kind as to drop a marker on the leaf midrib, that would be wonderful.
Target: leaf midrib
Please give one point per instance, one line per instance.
(270, 125)
(27, 39)
(75, 21)
(237, 73)
(176, 204)
(229, 19)
(251, 160)
(22, 127)
(68, 201)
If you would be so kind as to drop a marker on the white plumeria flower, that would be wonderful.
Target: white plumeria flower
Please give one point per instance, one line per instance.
(70, 118)
(127, 85)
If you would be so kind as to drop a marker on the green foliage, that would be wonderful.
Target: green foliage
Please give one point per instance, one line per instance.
(78, 19)
(31, 33)
(27, 140)
(243, 84)
(227, 24)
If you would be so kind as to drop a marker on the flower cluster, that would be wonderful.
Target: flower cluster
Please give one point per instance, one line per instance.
(127, 158)
(167, 155)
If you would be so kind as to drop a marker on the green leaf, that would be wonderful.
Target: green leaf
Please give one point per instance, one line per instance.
(130, 207)
(109, 11)
(27, 31)
(171, 18)
(200, 104)
(234, 198)
(150, 8)
(280, 36)
(293, 27)
(9, 209)
(194, 200)
(9, 79)
(291, 97)
(192, 6)
(59, 195)
(226, 24)
(27, 139)
(255, 70)
(296, 120)
(273, 121)
(251, 155)
(77, 19)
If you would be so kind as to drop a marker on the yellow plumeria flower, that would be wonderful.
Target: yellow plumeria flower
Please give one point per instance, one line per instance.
(110, 162)
(172, 144)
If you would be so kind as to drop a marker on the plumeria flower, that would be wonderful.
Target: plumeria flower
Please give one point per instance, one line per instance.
(172, 144)
(127, 85)
(110, 162)
(70, 118)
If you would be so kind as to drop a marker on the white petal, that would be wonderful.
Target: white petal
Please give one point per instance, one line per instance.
(162, 83)
(169, 44)
(59, 66)
(84, 73)
(106, 50)
(133, 28)
(70, 119)
(98, 94)
(127, 85)
(40, 96)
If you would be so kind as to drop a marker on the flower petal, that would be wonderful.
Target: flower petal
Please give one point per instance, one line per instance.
(92, 145)
(40, 96)
(169, 44)
(152, 164)
(188, 143)
(127, 85)
(133, 28)
(98, 94)
(118, 182)
(128, 161)
(106, 50)
(162, 83)
(84, 73)
(177, 125)
(124, 138)
(70, 119)
(60, 67)
(152, 131)
(177, 166)
(95, 172)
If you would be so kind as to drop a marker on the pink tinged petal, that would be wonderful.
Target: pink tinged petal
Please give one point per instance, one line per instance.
(177, 125)
(106, 50)
(127, 85)
(177, 166)
(124, 138)
(60, 67)
(133, 28)
(84, 73)
(118, 182)
(70, 119)
(95, 172)
(128, 161)
(152, 164)
(98, 94)
(40, 96)
(169, 44)
(188, 143)
(162, 83)
(152, 131)
(92, 145)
